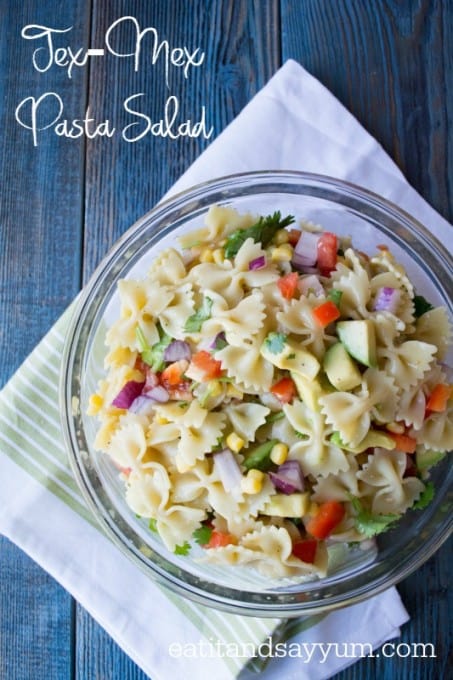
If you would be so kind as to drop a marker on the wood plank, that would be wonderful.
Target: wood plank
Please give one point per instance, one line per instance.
(40, 251)
(391, 65)
(124, 180)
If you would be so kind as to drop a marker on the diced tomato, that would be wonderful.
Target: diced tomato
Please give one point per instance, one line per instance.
(294, 236)
(326, 313)
(305, 550)
(284, 390)
(438, 398)
(404, 442)
(288, 285)
(205, 363)
(327, 252)
(326, 519)
(173, 375)
(219, 539)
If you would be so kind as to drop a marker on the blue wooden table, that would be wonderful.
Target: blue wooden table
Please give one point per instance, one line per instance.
(65, 201)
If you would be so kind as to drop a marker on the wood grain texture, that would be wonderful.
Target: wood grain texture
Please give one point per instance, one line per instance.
(390, 64)
(125, 180)
(40, 248)
(64, 204)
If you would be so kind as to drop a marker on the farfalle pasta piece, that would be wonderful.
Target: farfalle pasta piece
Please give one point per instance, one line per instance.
(338, 486)
(246, 366)
(408, 361)
(386, 262)
(246, 418)
(173, 318)
(298, 318)
(434, 328)
(351, 279)
(220, 221)
(168, 268)
(316, 455)
(241, 322)
(384, 482)
(141, 303)
(269, 550)
(437, 430)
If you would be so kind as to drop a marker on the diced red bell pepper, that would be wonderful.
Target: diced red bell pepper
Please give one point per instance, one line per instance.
(209, 367)
(287, 285)
(326, 312)
(305, 550)
(404, 442)
(284, 390)
(326, 519)
(220, 539)
(438, 399)
(327, 252)
(173, 374)
(294, 236)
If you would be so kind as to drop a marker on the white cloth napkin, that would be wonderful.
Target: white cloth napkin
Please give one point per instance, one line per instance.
(293, 123)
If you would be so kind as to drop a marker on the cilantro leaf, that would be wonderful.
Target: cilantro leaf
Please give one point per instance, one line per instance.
(426, 497)
(183, 549)
(421, 306)
(275, 342)
(202, 535)
(261, 232)
(195, 321)
(152, 355)
(368, 524)
(335, 296)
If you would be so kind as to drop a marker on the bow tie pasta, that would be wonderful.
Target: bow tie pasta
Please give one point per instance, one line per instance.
(271, 391)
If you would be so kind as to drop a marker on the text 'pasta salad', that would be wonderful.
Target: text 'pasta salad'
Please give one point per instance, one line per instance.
(271, 390)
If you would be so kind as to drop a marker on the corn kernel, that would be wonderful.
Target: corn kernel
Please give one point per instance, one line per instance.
(254, 473)
(282, 253)
(234, 442)
(206, 255)
(281, 237)
(253, 482)
(234, 392)
(161, 420)
(218, 255)
(279, 453)
(313, 509)
(95, 404)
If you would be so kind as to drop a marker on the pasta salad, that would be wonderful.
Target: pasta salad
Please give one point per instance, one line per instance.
(270, 391)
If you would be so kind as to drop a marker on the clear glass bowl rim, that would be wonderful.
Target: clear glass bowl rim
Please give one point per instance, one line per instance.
(425, 247)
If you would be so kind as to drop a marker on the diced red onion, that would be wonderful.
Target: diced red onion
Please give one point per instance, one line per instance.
(311, 284)
(387, 300)
(128, 393)
(288, 478)
(307, 248)
(177, 350)
(257, 263)
(158, 393)
(228, 469)
(142, 405)
(297, 262)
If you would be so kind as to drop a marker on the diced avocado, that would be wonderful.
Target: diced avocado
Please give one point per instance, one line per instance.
(287, 356)
(340, 368)
(287, 505)
(426, 458)
(359, 339)
(371, 439)
(309, 390)
(258, 457)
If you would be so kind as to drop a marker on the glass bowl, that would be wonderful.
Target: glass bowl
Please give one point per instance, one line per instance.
(339, 207)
